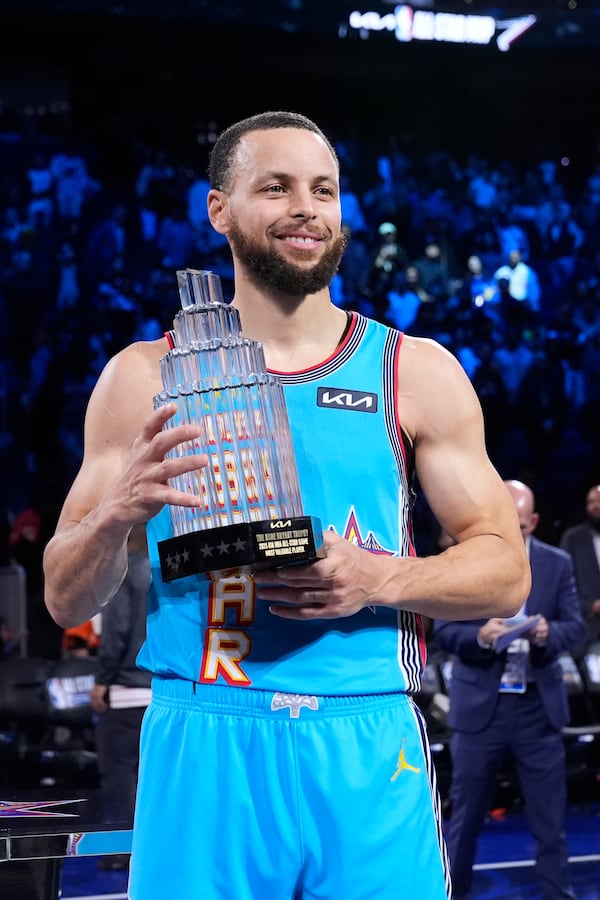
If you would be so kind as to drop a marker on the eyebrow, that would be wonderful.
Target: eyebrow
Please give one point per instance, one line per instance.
(287, 176)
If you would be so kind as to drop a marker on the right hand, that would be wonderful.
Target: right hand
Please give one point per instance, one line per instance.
(142, 488)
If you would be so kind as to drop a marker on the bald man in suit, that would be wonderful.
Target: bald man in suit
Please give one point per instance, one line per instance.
(514, 701)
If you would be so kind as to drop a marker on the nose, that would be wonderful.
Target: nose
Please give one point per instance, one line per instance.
(302, 204)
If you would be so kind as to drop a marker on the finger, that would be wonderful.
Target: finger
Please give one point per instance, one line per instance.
(299, 613)
(296, 576)
(181, 438)
(280, 594)
(154, 427)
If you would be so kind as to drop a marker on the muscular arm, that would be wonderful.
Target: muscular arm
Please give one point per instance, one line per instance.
(122, 482)
(486, 573)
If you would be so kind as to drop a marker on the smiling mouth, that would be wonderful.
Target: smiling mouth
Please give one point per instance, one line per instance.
(301, 241)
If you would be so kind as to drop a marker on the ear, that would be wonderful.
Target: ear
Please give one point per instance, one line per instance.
(218, 210)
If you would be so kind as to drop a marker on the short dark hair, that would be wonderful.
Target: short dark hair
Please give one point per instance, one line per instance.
(222, 155)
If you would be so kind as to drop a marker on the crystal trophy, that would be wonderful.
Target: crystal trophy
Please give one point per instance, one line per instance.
(250, 513)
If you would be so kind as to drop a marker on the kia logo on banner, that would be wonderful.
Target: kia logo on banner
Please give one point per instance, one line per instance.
(410, 24)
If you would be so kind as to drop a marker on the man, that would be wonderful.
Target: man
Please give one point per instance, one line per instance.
(519, 291)
(282, 754)
(583, 543)
(514, 700)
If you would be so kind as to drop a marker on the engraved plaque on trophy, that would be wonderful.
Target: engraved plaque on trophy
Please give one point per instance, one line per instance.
(251, 511)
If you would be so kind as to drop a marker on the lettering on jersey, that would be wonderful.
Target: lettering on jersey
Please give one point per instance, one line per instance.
(224, 650)
(233, 591)
(231, 604)
(341, 398)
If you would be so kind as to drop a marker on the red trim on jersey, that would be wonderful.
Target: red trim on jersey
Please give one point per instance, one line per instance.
(347, 334)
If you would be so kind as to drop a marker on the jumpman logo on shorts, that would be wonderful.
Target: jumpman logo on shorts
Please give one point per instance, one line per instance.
(402, 764)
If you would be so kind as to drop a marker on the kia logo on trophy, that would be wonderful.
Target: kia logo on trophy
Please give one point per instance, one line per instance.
(251, 511)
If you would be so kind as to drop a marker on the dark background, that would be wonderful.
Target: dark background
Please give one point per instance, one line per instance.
(170, 72)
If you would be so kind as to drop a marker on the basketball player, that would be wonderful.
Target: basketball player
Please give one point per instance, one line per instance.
(282, 755)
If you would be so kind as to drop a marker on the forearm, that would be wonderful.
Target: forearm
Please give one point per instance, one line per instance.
(84, 565)
(480, 578)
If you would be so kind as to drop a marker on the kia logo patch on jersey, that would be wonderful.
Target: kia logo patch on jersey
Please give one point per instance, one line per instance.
(340, 398)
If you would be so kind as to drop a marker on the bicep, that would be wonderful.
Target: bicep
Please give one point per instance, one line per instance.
(113, 418)
(463, 490)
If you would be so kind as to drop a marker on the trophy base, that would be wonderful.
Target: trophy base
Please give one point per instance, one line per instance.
(267, 544)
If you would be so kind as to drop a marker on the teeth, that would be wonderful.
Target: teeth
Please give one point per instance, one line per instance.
(302, 240)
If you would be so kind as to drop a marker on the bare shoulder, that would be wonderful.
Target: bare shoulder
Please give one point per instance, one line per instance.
(434, 389)
(425, 356)
(123, 396)
(139, 362)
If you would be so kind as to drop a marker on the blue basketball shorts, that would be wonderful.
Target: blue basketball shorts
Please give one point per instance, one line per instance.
(251, 795)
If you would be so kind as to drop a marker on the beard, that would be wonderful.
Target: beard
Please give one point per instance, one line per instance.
(268, 269)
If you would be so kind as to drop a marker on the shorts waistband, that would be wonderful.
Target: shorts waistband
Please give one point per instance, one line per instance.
(182, 694)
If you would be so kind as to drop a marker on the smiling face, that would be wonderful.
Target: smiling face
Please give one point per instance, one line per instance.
(282, 213)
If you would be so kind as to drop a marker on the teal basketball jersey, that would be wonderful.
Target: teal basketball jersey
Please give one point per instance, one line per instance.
(355, 468)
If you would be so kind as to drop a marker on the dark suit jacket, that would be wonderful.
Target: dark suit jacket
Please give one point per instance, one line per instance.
(476, 672)
(579, 542)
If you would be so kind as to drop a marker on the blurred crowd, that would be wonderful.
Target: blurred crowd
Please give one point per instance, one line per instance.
(498, 262)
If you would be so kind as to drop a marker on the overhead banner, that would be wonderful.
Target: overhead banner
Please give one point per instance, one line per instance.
(408, 24)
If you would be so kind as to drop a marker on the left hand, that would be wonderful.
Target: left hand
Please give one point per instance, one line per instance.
(337, 586)
(538, 635)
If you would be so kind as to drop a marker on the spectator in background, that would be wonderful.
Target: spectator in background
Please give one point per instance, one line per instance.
(541, 405)
(489, 387)
(510, 698)
(43, 389)
(478, 290)
(523, 294)
(354, 270)
(433, 272)
(40, 203)
(106, 246)
(153, 187)
(30, 531)
(513, 358)
(510, 235)
(590, 413)
(352, 211)
(583, 543)
(482, 189)
(388, 257)
(559, 240)
(14, 234)
(176, 239)
(72, 183)
(403, 303)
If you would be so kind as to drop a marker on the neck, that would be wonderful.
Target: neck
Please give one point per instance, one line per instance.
(296, 333)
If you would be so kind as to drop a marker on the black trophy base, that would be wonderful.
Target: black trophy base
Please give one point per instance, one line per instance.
(262, 545)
